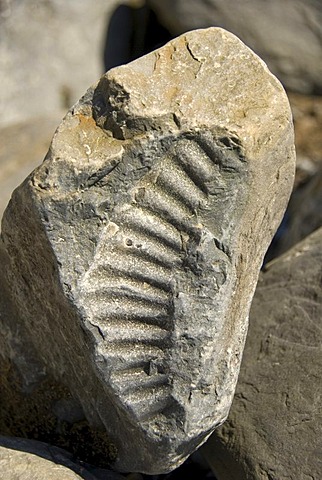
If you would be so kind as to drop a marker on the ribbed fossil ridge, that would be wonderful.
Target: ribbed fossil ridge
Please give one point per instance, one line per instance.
(151, 252)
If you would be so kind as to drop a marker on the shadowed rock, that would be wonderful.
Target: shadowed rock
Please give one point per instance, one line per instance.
(304, 213)
(135, 248)
(30, 460)
(274, 426)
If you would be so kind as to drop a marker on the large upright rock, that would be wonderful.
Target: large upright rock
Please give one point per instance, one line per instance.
(135, 247)
(274, 428)
(272, 28)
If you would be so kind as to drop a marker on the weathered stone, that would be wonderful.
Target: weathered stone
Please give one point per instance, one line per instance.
(262, 26)
(22, 459)
(135, 247)
(274, 428)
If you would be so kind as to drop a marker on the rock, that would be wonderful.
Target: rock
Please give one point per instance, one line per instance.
(22, 459)
(307, 115)
(135, 247)
(50, 51)
(304, 213)
(24, 148)
(274, 427)
(262, 26)
(34, 404)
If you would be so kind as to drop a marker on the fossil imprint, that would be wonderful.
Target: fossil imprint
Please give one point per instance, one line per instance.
(160, 265)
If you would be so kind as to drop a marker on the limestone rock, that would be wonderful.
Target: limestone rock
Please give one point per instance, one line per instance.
(287, 35)
(135, 247)
(22, 459)
(274, 428)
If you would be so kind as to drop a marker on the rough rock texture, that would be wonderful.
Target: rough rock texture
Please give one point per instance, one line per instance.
(135, 247)
(287, 35)
(22, 459)
(50, 51)
(274, 428)
(23, 148)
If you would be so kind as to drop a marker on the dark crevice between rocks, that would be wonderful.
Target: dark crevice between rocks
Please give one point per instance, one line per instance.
(131, 33)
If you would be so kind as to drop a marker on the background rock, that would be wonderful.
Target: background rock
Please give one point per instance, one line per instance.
(304, 213)
(57, 232)
(287, 35)
(274, 427)
(50, 52)
(24, 147)
(22, 459)
(307, 115)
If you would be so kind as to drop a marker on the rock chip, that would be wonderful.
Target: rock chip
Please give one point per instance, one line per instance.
(262, 26)
(274, 428)
(135, 248)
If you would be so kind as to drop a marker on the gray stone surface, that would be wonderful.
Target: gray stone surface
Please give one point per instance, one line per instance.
(274, 428)
(287, 35)
(50, 52)
(135, 247)
(22, 459)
